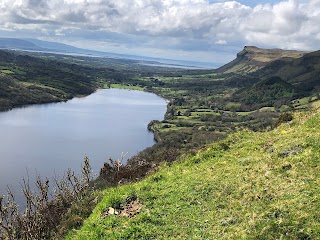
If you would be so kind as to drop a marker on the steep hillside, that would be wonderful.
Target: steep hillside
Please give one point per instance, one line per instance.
(14, 93)
(272, 91)
(303, 72)
(251, 59)
(248, 186)
(29, 80)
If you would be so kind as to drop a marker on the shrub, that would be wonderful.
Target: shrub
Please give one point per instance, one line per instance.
(284, 117)
(42, 215)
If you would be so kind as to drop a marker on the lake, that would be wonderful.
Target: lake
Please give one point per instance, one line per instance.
(50, 138)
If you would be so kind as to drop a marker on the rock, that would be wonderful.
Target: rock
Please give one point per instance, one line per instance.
(111, 211)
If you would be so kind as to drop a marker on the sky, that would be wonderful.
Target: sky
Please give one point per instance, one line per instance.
(196, 30)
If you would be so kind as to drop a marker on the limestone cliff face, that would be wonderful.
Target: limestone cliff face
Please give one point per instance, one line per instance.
(243, 53)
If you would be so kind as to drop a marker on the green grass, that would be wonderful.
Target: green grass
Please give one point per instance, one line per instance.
(267, 109)
(6, 71)
(173, 128)
(185, 119)
(303, 101)
(204, 113)
(249, 186)
(120, 86)
(264, 109)
(28, 84)
(284, 108)
(233, 106)
(244, 113)
(11, 70)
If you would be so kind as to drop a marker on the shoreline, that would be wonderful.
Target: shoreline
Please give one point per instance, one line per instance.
(97, 90)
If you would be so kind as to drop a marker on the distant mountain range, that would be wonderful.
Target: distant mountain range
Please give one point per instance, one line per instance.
(14, 43)
(30, 44)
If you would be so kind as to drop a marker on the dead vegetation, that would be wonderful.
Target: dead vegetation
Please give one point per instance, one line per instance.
(137, 167)
(44, 209)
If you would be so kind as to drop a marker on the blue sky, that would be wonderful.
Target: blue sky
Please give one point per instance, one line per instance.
(197, 30)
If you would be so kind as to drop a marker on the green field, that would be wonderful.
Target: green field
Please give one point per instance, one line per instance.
(6, 71)
(121, 86)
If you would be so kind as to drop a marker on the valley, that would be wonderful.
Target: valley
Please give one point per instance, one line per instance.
(214, 118)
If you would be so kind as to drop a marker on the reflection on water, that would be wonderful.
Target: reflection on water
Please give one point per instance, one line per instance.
(50, 138)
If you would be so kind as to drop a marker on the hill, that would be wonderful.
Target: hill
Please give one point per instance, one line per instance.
(14, 93)
(31, 44)
(15, 43)
(302, 72)
(54, 46)
(296, 74)
(29, 80)
(251, 59)
(272, 91)
(248, 186)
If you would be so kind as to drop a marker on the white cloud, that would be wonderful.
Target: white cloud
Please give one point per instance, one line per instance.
(221, 42)
(287, 24)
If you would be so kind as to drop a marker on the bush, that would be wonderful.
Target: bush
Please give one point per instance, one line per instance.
(42, 216)
(284, 117)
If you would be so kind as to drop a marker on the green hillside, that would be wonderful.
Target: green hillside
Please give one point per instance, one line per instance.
(29, 80)
(303, 72)
(251, 59)
(268, 92)
(15, 93)
(249, 186)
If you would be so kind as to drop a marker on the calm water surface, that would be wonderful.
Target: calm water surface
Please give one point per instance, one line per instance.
(48, 139)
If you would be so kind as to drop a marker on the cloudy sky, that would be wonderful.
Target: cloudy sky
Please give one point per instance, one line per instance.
(198, 30)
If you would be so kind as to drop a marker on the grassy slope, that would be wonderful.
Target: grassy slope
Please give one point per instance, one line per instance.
(250, 186)
(302, 72)
(32, 80)
(251, 59)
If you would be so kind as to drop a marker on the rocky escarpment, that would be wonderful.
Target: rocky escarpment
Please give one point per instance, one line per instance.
(251, 59)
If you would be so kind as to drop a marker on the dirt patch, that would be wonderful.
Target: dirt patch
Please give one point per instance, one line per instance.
(130, 210)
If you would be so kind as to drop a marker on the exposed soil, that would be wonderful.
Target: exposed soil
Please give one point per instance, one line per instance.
(132, 208)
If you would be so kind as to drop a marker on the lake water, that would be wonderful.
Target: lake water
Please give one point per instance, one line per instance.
(47, 139)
